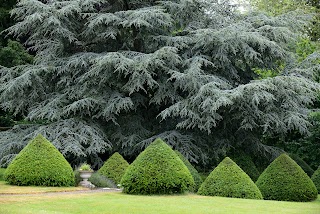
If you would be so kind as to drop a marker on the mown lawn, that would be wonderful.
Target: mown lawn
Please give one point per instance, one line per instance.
(112, 202)
(10, 189)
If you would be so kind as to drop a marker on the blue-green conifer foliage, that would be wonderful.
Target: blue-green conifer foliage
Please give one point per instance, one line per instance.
(120, 74)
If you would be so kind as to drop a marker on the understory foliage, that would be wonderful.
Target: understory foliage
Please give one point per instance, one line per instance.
(12, 53)
(2, 170)
(284, 180)
(316, 178)
(304, 166)
(77, 178)
(196, 176)
(99, 180)
(119, 74)
(96, 179)
(244, 161)
(157, 170)
(307, 148)
(114, 168)
(229, 180)
(39, 164)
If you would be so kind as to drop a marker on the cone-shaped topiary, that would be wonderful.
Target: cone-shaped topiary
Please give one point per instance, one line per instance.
(316, 178)
(114, 168)
(284, 180)
(157, 170)
(40, 164)
(196, 176)
(229, 180)
(245, 162)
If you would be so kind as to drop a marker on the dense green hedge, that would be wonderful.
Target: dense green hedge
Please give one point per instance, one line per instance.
(284, 180)
(196, 176)
(77, 178)
(204, 175)
(316, 179)
(306, 168)
(157, 170)
(39, 164)
(245, 162)
(2, 170)
(229, 180)
(114, 168)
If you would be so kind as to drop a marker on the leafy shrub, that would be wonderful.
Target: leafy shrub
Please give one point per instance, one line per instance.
(101, 181)
(284, 180)
(39, 164)
(306, 168)
(77, 177)
(96, 179)
(6, 120)
(316, 178)
(229, 180)
(204, 175)
(245, 162)
(157, 170)
(2, 170)
(114, 168)
(85, 167)
(196, 176)
(261, 162)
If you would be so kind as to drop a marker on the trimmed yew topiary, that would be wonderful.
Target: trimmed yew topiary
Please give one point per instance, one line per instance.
(316, 178)
(39, 164)
(157, 170)
(284, 180)
(114, 168)
(229, 180)
(196, 176)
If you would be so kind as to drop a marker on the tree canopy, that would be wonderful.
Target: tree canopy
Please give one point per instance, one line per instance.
(12, 53)
(307, 49)
(119, 74)
(274, 7)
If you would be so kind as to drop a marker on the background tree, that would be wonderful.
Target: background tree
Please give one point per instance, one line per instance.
(307, 51)
(119, 74)
(12, 53)
(275, 8)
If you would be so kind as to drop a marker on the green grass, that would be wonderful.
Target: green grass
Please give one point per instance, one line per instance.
(11, 189)
(121, 203)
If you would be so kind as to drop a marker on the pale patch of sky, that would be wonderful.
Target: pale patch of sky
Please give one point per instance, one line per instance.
(243, 5)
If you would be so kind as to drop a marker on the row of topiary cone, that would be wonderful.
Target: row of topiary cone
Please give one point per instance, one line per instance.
(283, 180)
(160, 170)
